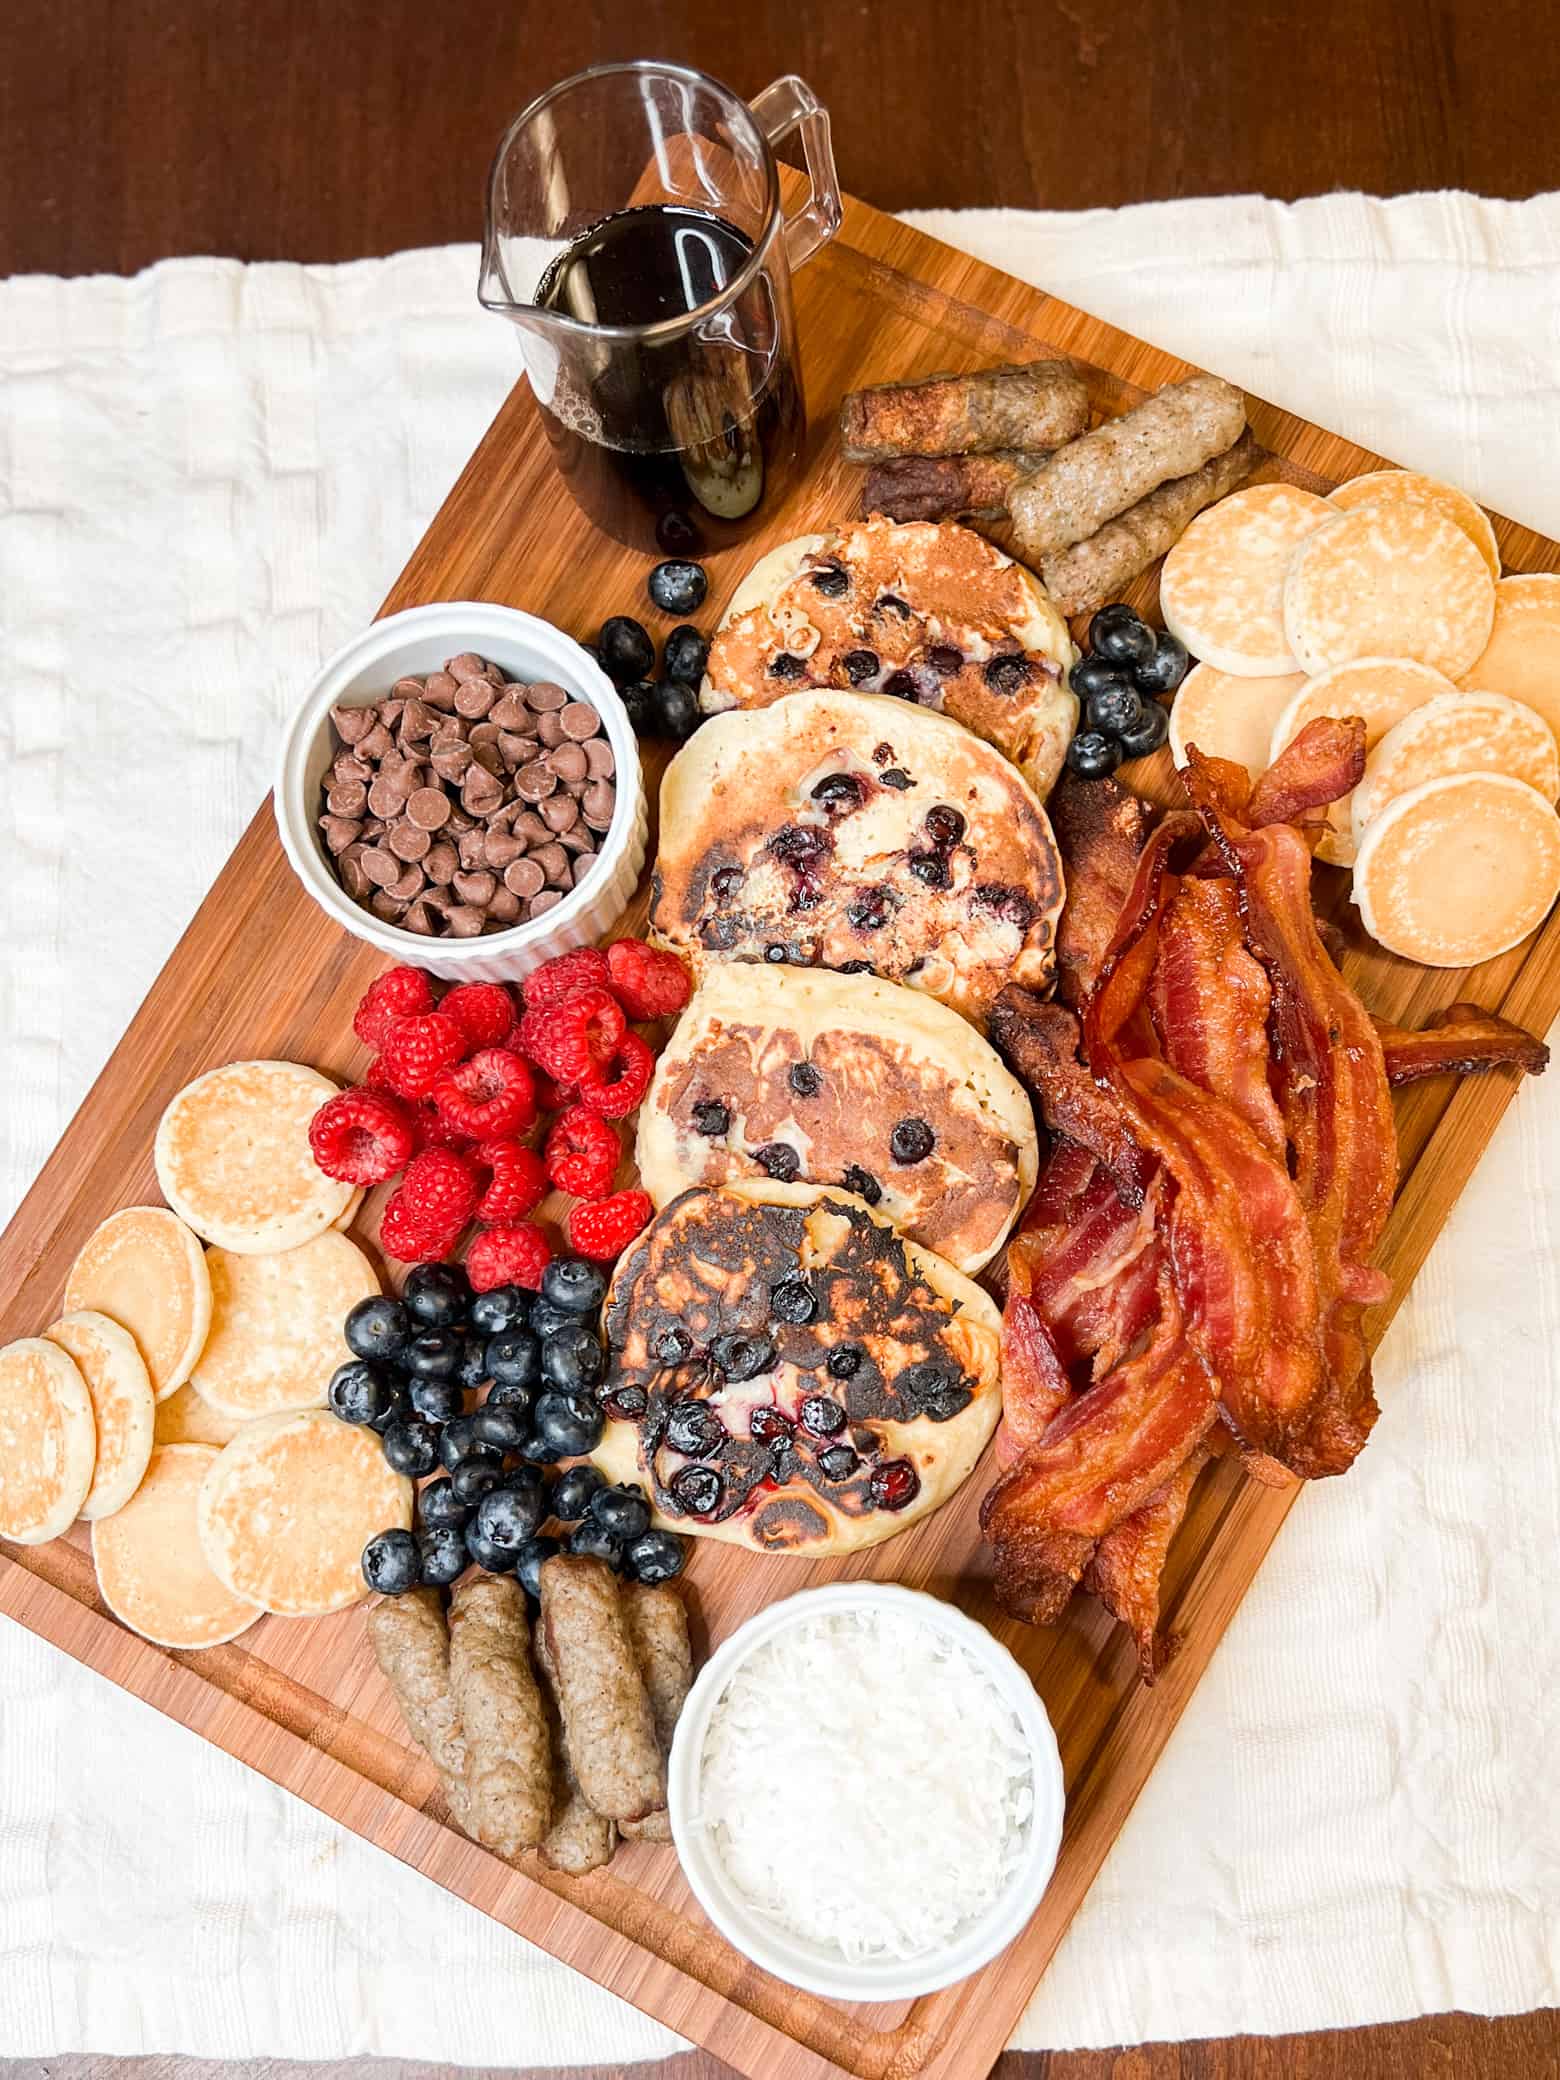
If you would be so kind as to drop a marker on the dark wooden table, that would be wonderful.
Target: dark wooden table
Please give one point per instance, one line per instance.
(332, 129)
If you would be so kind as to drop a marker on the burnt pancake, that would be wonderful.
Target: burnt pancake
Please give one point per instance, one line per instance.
(787, 1372)
(849, 831)
(798, 1074)
(921, 610)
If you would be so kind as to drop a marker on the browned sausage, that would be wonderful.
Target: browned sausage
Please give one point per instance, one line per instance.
(658, 1627)
(579, 1839)
(411, 1643)
(1032, 404)
(936, 487)
(508, 1754)
(607, 1720)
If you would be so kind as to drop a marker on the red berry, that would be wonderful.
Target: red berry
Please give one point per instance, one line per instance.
(398, 993)
(403, 1237)
(439, 1191)
(565, 975)
(517, 1182)
(614, 1088)
(431, 1129)
(515, 1255)
(484, 1011)
(417, 1051)
(645, 981)
(582, 1153)
(606, 1228)
(550, 1096)
(374, 1077)
(568, 1039)
(361, 1137)
(489, 1098)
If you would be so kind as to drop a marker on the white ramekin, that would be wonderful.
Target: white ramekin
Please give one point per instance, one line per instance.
(811, 1966)
(417, 642)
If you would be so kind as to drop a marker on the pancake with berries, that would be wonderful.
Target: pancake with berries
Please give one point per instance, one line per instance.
(849, 831)
(787, 1372)
(797, 1074)
(922, 611)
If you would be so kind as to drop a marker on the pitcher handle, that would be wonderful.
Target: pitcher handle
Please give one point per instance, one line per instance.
(790, 104)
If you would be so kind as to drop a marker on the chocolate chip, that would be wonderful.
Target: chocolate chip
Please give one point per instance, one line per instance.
(545, 697)
(535, 782)
(471, 844)
(547, 900)
(408, 883)
(439, 689)
(480, 791)
(579, 720)
(407, 842)
(476, 886)
(376, 743)
(467, 666)
(464, 921)
(511, 712)
(504, 908)
(347, 798)
(353, 724)
(529, 825)
(569, 762)
(428, 808)
(600, 762)
(408, 689)
(384, 905)
(501, 847)
(353, 879)
(598, 803)
(516, 751)
(339, 832)
(560, 812)
(451, 762)
(524, 878)
(421, 917)
(381, 867)
(385, 799)
(554, 863)
(348, 766)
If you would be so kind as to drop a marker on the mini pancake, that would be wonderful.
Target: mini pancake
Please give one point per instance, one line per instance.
(1459, 732)
(913, 1415)
(151, 1571)
(276, 1325)
(185, 1419)
(925, 609)
(1385, 484)
(123, 1411)
(1389, 579)
(289, 1505)
(233, 1157)
(1227, 716)
(849, 831)
(1222, 586)
(1381, 691)
(47, 1441)
(1458, 869)
(145, 1270)
(1522, 657)
(351, 1210)
(829, 1066)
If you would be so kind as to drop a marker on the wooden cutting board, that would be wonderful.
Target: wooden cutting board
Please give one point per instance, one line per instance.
(261, 972)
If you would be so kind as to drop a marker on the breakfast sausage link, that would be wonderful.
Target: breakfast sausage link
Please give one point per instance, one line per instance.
(658, 1627)
(412, 1645)
(607, 1720)
(935, 487)
(508, 1758)
(579, 1839)
(1033, 404)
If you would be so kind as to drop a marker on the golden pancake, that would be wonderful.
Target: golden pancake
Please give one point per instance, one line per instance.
(1381, 691)
(276, 1325)
(47, 1441)
(1522, 657)
(1458, 732)
(151, 1571)
(233, 1157)
(122, 1407)
(1390, 579)
(185, 1419)
(1222, 586)
(1228, 716)
(145, 1270)
(1409, 485)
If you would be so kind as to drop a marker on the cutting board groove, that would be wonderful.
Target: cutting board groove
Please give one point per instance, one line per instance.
(260, 971)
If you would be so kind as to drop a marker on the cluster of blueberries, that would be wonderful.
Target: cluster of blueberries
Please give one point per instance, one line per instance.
(1120, 682)
(415, 1361)
(667, 706)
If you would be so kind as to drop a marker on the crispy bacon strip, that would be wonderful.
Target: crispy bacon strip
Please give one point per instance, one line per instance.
(1324, 763)
(1459, 1041)
(1039, 1043)
(1209, 1002)
(1129, 1562)
(1100, 827)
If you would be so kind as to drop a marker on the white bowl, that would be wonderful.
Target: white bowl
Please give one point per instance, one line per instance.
(417, 642)
(815, 1967)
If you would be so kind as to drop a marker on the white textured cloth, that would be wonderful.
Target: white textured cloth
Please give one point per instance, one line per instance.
(208, 478)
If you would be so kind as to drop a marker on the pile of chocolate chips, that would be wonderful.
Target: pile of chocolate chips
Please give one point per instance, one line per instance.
(465, 802)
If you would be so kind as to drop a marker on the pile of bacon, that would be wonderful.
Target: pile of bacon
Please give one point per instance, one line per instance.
(1192, 1274)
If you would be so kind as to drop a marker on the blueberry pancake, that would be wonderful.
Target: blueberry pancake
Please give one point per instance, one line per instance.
(844, 830)
(787, 1372)
(922, 611)
(797, 1074)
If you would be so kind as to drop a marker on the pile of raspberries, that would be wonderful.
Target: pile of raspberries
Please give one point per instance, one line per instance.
(453, 1099)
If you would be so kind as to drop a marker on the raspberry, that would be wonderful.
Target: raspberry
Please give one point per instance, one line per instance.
(484, 1011)
(401, 1236)
(565, 975)
(430, 1129)
(398, 993)
(517, 1182)
(646, 982)
(508, 1256)
(438, 1192)
(375, 1079)
(614, 1088)
(416, 1052)
(568, 1039)
(361, 1137)
(550, 1096)
(489, 1098)
(606, 1228)
(582, 1153)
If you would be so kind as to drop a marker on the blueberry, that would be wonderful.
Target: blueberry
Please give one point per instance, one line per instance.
(439, 1504)
(675, 710)
(900, 686)
(575, 1284)
(1121, 636)
(491, 1558)
(472, 1369)
(944, 826)
(1092, 675)
(1165, 669)
(621, 1512)
(932, 1390)
(1149, 734)
(823, 1415)
(778, 1160)
(838, 1463)
(678, 587)
(793, 1300)
(506, 1429)
(547, 1320)
(358, 1392)
(520, 1399)
(945, 660)
(694, 1429)
(785, 664)
(862, 1183)
(696, 1489)
(625, 1404)
(434, 1354)
(498, 1309)
(912, 1141)
(391, 1562)
(538, 1452)
(377, 1328)
(626, 649)
(861, 665)
(804, 1079)
(839, 793)
(593, 1542)
(436, 1296)
(832, 580)
(766, 1425)
(411, 1446)
(569, 1422)
(398, 1403)
(638, 698)
(528, 1564)
(893, 1485)
(711, 1118)
(743, 1357)
(844, 1361)
(573, 1358)
(1093, 756)
(683, 655)
(471, 1479)
(509, 1516)
(1113, 711)
(459, 1441)
(437, 1401)
(572, 1492)
(444, 1556)
(513, 1358)
(655, 1557)
(674, 1346)
(1008, 673)
(931, 868)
